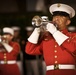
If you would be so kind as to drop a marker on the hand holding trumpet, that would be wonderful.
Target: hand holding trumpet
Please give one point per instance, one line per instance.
(4, 46)
(42, 28)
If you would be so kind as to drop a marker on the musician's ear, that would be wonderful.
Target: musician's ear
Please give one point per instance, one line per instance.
(12, 37)
(68, 22)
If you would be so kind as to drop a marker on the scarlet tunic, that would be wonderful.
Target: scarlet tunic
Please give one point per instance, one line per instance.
(55, 54)
(10, 69)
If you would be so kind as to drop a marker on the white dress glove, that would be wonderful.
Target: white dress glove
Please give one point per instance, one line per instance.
(34, 36)
(58, 36)
(7, 47)
(51, 28)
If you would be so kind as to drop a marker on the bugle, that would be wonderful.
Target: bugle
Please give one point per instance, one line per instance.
(41, 21)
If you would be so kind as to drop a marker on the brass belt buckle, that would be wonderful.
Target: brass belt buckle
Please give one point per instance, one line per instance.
(56, 66)
(5, 62)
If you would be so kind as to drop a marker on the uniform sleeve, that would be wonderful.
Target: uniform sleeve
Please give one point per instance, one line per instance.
(16, 49)
(33, 49)
(70, 45)
(13, 54)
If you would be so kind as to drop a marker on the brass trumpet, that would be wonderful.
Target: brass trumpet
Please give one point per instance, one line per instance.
(3, 39)
(37, 21)
(41, 21)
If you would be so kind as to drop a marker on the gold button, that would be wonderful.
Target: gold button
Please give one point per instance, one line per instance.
(56, 62)
(55, 45)
(4, 56)
(68, 40)
(55, 56)
(4, 53)
(55, 51)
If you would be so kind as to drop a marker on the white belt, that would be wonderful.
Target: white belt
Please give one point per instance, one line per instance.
(58, 66)
(8, 62)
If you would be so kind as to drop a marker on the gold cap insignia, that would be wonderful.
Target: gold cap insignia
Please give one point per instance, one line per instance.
(58, 5)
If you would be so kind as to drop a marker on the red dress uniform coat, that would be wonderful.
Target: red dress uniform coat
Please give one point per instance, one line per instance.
(55, 54)
(10, 69)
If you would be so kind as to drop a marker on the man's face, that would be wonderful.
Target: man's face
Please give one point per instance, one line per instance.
(61, 21)
(16, 33)
(8, 37)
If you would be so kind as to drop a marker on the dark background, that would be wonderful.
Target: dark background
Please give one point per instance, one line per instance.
(20, 12)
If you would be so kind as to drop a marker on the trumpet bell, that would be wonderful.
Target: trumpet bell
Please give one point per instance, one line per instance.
(36, 21)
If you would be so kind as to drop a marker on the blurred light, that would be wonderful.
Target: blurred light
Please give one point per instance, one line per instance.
(72, 28)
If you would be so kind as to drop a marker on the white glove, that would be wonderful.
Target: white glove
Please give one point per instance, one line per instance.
(7, 47)
(58, 36)
(51, 28)
(34, 36)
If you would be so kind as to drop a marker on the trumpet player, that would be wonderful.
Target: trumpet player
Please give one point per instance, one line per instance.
(58, 48)
(8, 54)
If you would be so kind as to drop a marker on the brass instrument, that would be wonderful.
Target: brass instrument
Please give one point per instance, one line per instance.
(3, 39)
(41, 21)
(38, 21)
